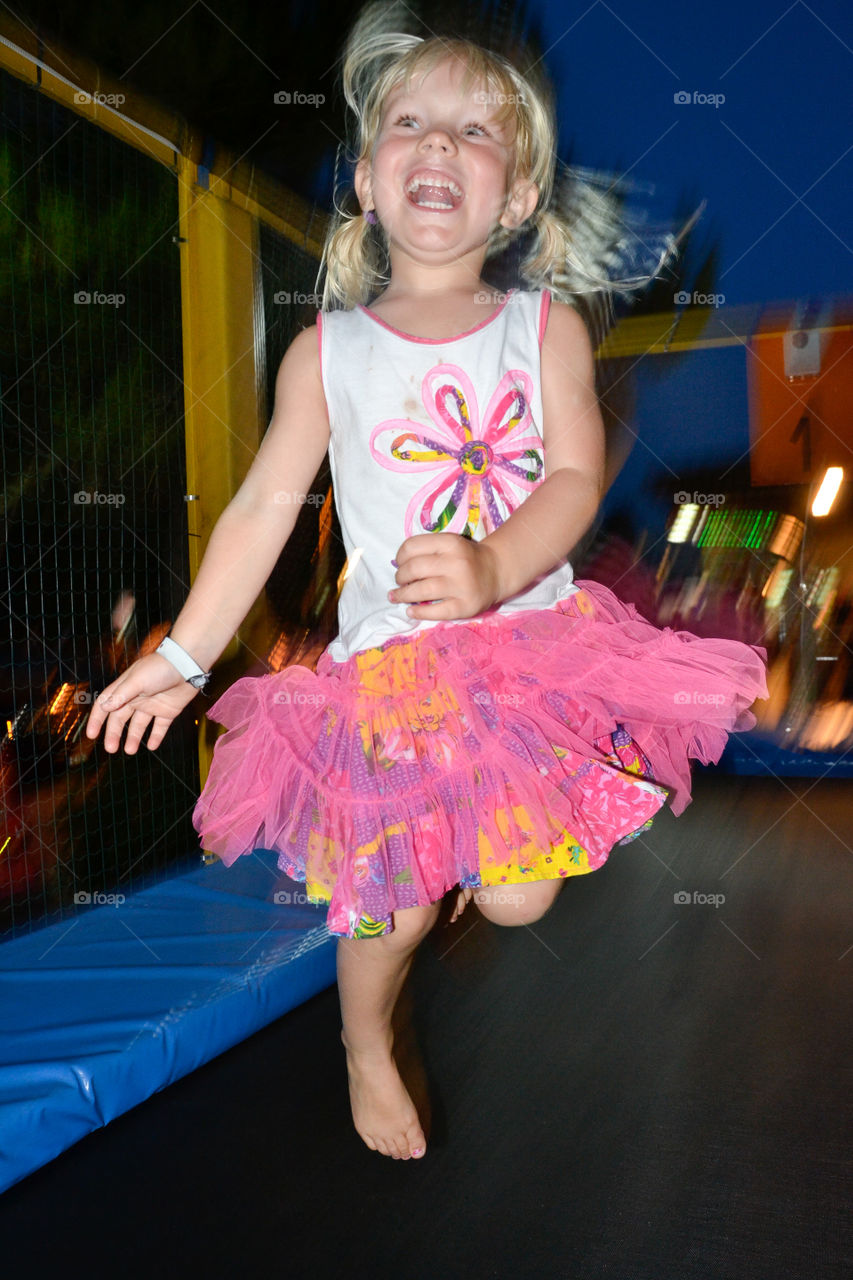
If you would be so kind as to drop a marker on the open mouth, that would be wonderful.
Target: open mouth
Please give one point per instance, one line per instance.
(433, 191)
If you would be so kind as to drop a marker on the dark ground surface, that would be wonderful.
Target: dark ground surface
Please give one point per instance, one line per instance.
(635, 1088)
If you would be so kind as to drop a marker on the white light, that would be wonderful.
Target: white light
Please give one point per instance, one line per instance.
(826, 494)
(350, 565)
(683, 522)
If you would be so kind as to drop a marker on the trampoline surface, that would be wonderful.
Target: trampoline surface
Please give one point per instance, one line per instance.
(651, 1083)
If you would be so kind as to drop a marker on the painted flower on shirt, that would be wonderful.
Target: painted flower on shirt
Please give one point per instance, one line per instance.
(481, 467)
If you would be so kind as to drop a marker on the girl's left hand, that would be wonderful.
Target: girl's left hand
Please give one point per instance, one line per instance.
(463, 897)
(441, 576)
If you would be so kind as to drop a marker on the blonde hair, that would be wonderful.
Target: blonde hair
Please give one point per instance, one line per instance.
(578, 238)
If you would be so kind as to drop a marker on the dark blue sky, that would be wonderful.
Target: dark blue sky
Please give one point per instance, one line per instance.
(783, 132)
(774, 162)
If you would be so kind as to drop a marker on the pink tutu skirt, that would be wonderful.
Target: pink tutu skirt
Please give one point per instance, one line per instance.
(504, 749)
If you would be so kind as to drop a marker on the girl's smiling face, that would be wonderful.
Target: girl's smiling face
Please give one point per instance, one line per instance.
(439, 174)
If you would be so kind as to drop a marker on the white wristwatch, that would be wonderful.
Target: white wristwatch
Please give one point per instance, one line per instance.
(183, 663)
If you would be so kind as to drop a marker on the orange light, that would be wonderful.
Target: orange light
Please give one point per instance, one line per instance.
(60, 698)
(828, 491)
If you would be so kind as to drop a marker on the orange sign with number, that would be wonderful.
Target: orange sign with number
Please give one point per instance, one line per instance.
(799, 426)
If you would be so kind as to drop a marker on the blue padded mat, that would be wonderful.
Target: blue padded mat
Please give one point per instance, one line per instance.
(103, 1010)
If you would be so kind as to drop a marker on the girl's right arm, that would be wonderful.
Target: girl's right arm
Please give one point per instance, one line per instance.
(243, 548)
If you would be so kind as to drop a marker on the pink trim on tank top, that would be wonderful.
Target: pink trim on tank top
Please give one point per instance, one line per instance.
(411, 337)
(544, 310)
(320, 340)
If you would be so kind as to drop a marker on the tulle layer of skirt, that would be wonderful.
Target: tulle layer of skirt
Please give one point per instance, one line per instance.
(511, 748)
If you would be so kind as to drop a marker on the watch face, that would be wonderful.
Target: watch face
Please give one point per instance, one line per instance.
(198, 682)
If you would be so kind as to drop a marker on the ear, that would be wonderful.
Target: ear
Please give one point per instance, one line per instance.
(361, 182)
(520, 203)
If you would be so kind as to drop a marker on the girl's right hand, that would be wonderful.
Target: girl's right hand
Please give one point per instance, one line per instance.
(150, 689)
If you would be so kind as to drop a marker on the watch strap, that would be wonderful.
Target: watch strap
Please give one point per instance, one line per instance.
(183, 663)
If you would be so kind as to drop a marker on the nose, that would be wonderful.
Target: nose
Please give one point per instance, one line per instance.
(439, 139)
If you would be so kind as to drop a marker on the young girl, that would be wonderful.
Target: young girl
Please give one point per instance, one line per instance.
(482, 723)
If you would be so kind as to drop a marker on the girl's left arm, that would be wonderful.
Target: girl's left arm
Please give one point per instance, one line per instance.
(542, 531)
(463, 577)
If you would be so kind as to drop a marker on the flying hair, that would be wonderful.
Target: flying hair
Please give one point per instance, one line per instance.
(577, 243)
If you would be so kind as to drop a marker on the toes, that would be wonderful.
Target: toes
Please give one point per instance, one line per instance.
(415, 1144)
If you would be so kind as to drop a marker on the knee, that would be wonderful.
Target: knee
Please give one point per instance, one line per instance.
(411, 926)
(516, 904)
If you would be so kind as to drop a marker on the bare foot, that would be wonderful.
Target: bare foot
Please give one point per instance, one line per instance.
(382, 1110)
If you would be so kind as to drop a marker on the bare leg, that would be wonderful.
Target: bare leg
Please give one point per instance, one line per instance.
(514, 904)
(371, 973)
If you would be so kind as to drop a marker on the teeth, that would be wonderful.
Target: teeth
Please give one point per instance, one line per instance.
(451, 186)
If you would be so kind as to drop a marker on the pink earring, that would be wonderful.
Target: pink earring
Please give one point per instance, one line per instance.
(370, 216)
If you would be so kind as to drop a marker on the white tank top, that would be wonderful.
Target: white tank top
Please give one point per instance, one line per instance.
(429, 435)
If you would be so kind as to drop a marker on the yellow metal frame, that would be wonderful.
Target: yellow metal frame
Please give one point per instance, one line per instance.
(223, 405)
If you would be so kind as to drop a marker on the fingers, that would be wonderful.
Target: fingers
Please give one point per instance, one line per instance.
(420, 591)
(136, 726)
(116, 720)
(147, 688)
(463, 897)
(101, 708)
(422, 544)
(158, 732)
(114, 708)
